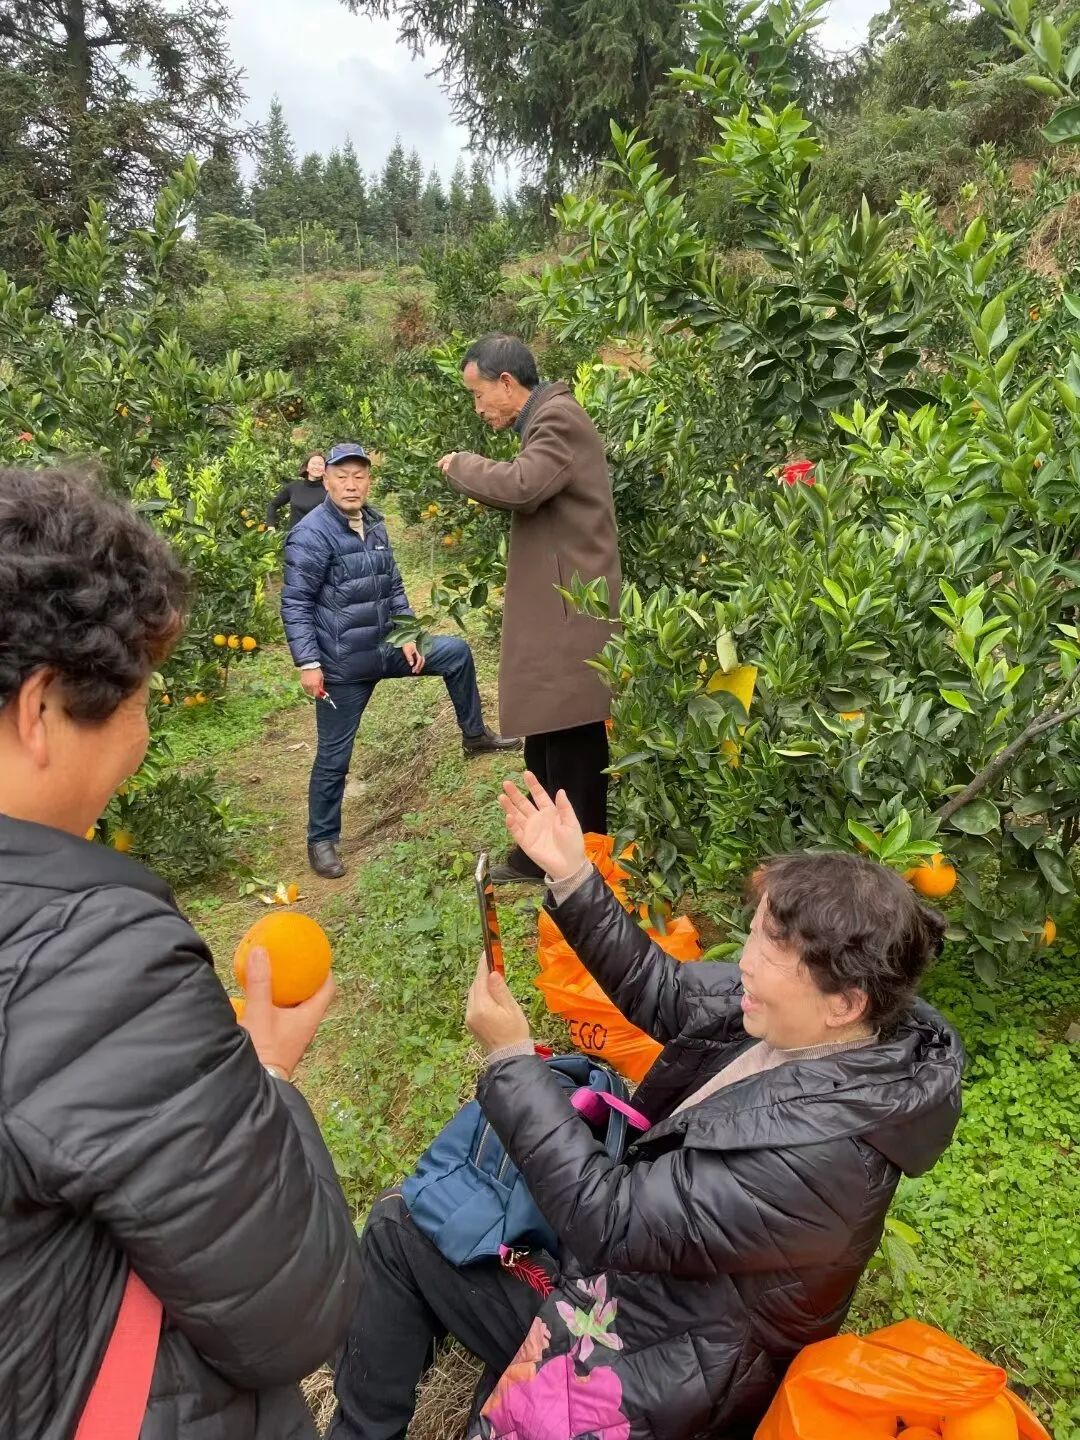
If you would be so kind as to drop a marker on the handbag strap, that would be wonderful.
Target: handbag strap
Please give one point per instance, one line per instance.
(117, 1404)
(593, 1104)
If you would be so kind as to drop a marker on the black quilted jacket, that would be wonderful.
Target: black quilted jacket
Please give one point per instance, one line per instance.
(734, 1233)
(137, 1128)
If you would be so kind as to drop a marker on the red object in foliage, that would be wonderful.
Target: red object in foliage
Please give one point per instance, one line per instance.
(25, 438)
(796, 470)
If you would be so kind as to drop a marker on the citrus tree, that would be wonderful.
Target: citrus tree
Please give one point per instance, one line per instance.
(852, 616)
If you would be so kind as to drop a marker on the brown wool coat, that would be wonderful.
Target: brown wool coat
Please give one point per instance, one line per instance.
(559, 492)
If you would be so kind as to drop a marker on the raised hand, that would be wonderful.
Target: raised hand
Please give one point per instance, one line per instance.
(547, 830)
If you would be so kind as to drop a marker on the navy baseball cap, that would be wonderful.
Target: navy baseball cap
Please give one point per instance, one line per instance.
(347, 452)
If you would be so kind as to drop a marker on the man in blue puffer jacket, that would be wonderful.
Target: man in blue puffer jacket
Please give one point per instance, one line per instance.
(343, 591)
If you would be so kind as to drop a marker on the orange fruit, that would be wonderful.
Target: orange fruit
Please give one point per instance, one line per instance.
(262, 529)
(239, 1006)
(189, 702)
(299, 955)
(91, 832)
(233, 642)
(449, 541)
(165, 700)
(200, 698)
(219, 641)
(249, 643)
(123, 840)
(249, 524)
(1049, 931)
(852, 717)
(919, 1432)
(996, 1421)
(933, 881)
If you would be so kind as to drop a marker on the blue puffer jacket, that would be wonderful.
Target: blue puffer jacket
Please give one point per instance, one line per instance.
(341, 594)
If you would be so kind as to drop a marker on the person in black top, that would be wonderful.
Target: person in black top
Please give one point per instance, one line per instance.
(301, 496)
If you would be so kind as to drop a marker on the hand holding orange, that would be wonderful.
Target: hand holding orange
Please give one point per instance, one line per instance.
(299, 955)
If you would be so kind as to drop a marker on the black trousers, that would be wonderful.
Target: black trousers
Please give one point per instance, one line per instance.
(410, 1300)
(574, 761)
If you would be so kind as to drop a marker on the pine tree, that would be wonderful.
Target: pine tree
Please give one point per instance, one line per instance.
(433, 205)
(76, 124)
(221, 187)
(311, 189)
(457, 205)
(275, 195)
(482, 209)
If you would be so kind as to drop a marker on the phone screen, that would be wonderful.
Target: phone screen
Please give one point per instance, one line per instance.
(489, 917)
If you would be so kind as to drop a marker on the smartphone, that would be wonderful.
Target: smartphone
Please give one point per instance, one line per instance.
(489, 917)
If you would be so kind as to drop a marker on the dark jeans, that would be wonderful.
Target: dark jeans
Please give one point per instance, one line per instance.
(410, 1300)
(574, 761)
(448, 656)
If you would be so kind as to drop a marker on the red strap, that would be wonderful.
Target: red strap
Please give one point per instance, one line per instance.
(117, 1404)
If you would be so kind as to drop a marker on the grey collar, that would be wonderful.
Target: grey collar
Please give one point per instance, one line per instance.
(523, 419)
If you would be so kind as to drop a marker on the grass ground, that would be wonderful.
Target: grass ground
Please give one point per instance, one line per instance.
(998, 1242)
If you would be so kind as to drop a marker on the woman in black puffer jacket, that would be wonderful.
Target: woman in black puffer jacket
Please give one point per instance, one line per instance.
(141, 1128)
(793, 1091)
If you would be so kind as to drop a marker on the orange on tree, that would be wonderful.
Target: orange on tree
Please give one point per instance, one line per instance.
(249, 643)
(1049, 931)
(123, 840)
(165, 700)
(933, 881)
(219, 641)
(851, 717)
(190, 702)
(299, 955)
(233, 642)
(996, 1421)
(449, 541)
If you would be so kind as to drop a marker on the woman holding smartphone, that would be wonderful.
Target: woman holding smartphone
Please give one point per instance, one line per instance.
(793, 1091)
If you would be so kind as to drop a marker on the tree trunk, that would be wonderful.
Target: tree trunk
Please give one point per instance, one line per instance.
(79, 69)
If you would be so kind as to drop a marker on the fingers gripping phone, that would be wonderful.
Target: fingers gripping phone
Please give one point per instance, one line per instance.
(489, 917)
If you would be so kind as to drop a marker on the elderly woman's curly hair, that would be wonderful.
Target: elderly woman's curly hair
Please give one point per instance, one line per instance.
(87, 590)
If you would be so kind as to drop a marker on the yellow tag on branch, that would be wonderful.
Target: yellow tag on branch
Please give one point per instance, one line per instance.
(740, 682)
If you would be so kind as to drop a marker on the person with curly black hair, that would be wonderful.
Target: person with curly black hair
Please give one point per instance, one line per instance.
(155, 1163)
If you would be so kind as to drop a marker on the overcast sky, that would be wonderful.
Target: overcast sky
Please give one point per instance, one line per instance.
(339, 74)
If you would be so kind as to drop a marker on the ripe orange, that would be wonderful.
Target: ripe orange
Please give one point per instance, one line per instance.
(996, 1421)
(919, 1432)
(299, 955)
(219, 641)
(262, 530)
(165, 700)
(249, 643)
(190, 702)
(449, 541)
(933, 881)
(123, 840)
(91, 832)
(1049, 931)
(239, 1006)
(233, 642)
(851, 717)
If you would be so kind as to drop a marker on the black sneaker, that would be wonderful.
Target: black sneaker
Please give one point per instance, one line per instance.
(487, 743)
(324, 860)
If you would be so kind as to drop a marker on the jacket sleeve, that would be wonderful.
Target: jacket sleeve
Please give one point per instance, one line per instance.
(698, 1213)
(653, 991)
(307, 559)
(282, 498)
(543, 467)
(140, 1102)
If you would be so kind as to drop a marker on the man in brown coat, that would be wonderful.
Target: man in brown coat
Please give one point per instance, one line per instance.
(563, 525)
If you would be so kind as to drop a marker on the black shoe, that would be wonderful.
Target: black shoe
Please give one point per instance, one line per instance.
(487, 743)
(507, 873)
(324, 860)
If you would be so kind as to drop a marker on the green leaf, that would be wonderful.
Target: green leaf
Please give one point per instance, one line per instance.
(1072, 304)
(1047, 42)
(1062, 126)
(957, 701)
(1056, 870)
(978, 818)
(865, 836)
(1043, 85)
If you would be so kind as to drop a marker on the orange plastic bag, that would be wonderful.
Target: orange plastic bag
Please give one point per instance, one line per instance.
(859, 1387)
(596, 1026)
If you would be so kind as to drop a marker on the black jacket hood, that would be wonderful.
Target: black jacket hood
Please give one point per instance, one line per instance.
(902, 1096)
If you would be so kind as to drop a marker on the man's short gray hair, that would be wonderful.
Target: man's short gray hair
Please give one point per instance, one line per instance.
(496, 355)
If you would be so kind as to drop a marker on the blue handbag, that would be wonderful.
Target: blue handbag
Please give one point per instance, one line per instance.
(467, 1196)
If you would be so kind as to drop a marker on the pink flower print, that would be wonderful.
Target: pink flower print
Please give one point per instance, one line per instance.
(594, 1328)
(524, 1365)
(558, 1402)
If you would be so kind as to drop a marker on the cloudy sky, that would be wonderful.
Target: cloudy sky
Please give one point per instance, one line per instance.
(338, 74)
